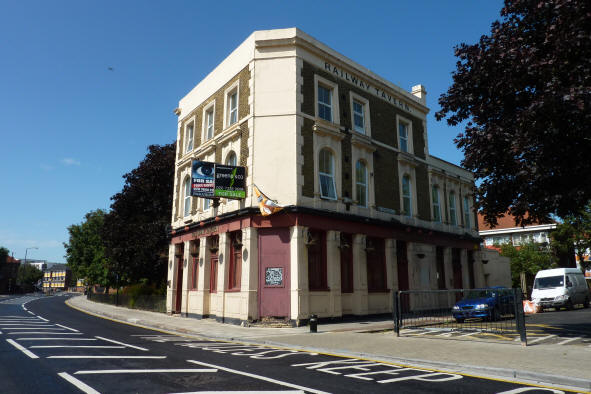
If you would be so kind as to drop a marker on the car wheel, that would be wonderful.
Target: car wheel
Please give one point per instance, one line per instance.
(586, 303)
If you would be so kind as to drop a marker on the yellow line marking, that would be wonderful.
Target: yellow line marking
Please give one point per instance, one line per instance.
(322, 353)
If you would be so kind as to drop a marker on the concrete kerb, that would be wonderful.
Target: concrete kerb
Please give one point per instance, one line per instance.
(526, 377)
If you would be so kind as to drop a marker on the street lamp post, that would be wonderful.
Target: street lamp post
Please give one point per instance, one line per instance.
(26, 250)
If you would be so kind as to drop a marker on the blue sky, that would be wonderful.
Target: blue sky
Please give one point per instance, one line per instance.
(70, 127)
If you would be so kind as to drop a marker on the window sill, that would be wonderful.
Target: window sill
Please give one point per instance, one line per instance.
(322, 127)
(377, 291)
(323, 289)
(232, 290)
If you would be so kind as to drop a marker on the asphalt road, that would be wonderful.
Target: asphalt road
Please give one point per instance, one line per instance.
(48, 347)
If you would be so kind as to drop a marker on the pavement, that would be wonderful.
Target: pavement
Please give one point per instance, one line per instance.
(544, 364)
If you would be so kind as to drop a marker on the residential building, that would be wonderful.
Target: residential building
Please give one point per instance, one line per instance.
(57, 277)
(367, 210)
(506, 231)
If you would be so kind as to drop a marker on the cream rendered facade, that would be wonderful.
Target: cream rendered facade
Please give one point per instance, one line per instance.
(319, 241)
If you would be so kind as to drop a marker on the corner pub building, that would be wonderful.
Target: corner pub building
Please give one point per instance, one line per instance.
(367, 210)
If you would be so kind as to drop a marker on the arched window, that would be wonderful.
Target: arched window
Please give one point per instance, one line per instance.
(467, 212)
(361, 183)
(187, 199)
(436, 204)
(453, 218)
(406, 196)
(231, 159)
(326, 175)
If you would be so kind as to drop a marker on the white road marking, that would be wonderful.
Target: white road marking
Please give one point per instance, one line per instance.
(74, 346)
(81, 385)
(67, 328)
(45, 332)
(468, 334)
(121, 343)
(540, 339)
(31, 313)
(22, 348)
(266, 379)
(568, 340)
(42, 318)
(33, 328)
(115, 357)
(55, 339)
(524, 389)
(27, 323)
(113, 371)
(245, 392)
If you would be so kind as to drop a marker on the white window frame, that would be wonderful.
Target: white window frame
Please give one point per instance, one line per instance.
(453, 208)
(363, 185)
(436, 203)
(328, 175)
(366, 118)
(206, 110)
(228, 156)
(409, 197)
(409, 134)
(206, 204)
(234, 88)
(334, 89)
(467, 221)
(187, 197)
(189, 142)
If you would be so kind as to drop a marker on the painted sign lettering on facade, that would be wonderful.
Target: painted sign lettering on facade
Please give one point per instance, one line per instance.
(355, 80)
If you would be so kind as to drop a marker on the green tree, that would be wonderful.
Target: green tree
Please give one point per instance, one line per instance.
(523, 93)
(573, 235)
(134, 232)
(3, 256)
(27, 276)
(528, 258)
(85, 252)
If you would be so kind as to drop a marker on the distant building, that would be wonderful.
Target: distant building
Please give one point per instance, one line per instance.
(368, 210)
(56, 278)
(507, 232)
(41, 265)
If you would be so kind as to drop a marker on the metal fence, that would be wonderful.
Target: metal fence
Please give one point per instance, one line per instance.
(154, 303)
(495, 310)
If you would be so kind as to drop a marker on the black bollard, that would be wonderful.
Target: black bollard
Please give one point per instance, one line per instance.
(313, 323)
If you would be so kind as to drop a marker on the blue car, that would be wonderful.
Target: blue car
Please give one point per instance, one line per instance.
(487, 304)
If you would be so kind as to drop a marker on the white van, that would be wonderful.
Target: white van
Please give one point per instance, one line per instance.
(560, 287)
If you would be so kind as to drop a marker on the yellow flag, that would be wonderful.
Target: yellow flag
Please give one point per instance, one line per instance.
(267, 206)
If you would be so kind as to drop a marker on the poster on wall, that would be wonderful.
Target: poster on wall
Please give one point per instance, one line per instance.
(211, 180)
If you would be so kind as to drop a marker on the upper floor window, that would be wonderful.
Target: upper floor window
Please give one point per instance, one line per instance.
(406, 196)
(189, 138)
(436, 204)
(326, 175)
(208, 122)
(358, 117)
(325, 102)
(361, 183)
(453, 219)
(187, 199)
(232, 107)
(231, 159)
(403, 136)
(467, 212)
(206, 204)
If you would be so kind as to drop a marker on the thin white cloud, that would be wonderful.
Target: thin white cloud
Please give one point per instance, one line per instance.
(68, 161)
(46, 167)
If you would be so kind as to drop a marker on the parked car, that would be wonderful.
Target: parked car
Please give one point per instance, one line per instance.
(487, 304)
(560, 287)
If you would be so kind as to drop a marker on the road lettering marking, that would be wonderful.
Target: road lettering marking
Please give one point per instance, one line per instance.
(67, 328)
(568, 340)
(107, 357)
(81, 385)
(115, 371)
(77, 347)
(55, 339)
(22, 348)
(264, 378)
(121, 343)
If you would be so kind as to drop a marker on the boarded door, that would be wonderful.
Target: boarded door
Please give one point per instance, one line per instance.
(179, 279)
(274, 283)
(402, 269)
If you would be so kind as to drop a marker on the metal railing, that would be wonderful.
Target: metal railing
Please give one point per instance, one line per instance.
(494, 310)
(154, 303)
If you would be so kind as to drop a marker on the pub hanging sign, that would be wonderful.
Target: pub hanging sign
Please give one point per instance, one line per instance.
(212, 180)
